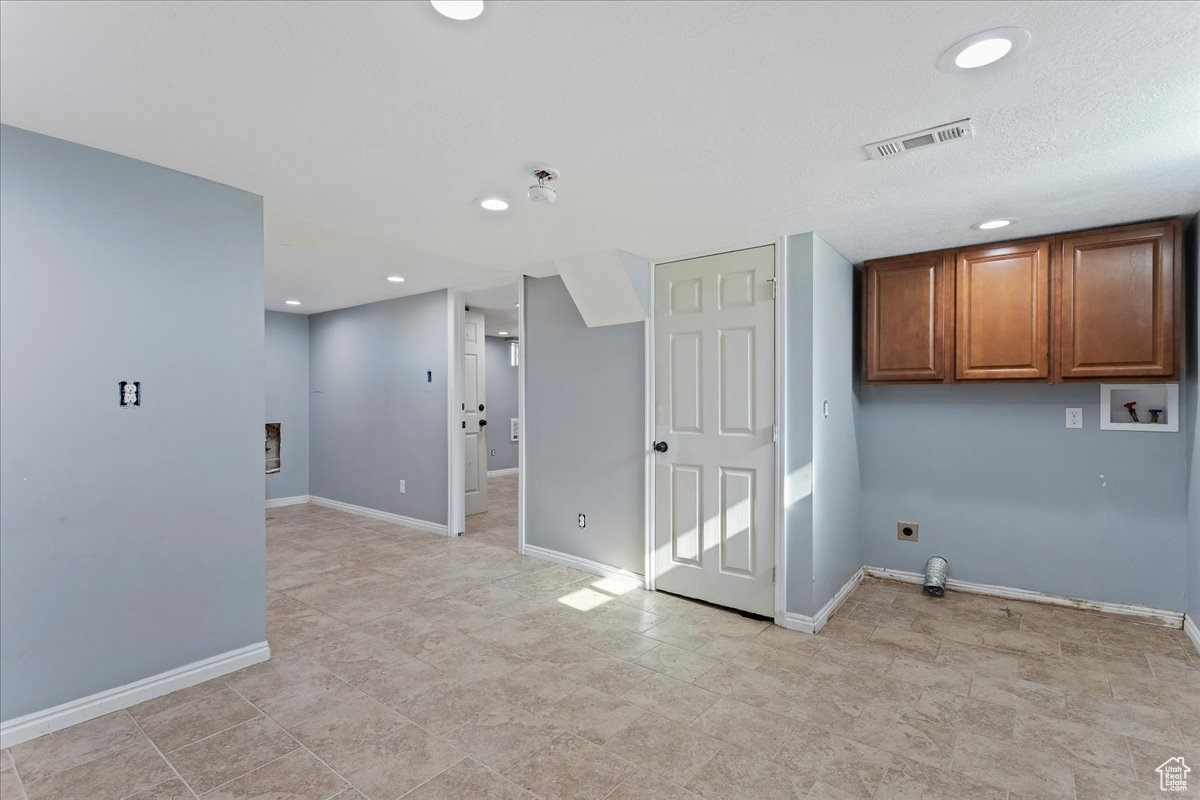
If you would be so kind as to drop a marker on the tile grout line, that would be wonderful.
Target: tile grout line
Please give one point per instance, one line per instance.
(206, 737)
(20, 780)
(81, 763)
(163, 756)
(300, 744)
(295, 749)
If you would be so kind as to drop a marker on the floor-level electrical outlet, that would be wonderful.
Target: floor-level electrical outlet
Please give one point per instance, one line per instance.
(402, 488)
(1074, 417)
(583, 520)
(907, 531)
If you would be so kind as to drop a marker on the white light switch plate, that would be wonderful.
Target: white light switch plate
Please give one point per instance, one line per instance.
(402, 487)
(1074, 417)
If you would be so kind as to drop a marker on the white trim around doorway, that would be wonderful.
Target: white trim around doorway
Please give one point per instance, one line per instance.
(456, 512)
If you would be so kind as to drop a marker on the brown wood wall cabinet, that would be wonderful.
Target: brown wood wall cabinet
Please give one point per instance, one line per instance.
(1002, 312)
(1098, 305)
(909, 311)
(1119, 295)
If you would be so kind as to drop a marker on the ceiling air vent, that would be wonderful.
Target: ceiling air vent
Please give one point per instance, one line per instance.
(888, 148)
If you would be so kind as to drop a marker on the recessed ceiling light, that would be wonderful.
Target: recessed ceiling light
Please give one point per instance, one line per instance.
(986, 47)
(993, 224)
(461, 10)
(292, 302)
(395, 279)
(502, 333)
(493, 204)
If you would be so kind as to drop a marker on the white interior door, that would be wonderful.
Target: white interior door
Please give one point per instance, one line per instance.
(714, 390)
(475, 413)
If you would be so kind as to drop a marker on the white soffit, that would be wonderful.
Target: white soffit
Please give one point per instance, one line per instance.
(603, 286)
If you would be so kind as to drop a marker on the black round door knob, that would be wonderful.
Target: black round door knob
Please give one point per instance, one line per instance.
(660, 447)
(481, 406)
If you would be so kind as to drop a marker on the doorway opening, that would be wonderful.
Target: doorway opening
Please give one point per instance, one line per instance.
(485, 413)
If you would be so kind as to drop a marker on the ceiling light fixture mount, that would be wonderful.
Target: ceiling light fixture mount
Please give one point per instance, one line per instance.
(493, 203)
(460, 10)
(541, 192)
(993, 224)
(985, 47)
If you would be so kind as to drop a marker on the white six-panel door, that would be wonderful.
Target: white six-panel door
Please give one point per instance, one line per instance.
(714, 397)
(474, 413)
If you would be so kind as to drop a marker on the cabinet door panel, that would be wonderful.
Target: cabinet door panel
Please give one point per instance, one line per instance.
(907, 319)
(1002, 330)
(1118, 294)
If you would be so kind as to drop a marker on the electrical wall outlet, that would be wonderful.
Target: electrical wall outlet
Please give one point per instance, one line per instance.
(583, 520)
(130, 393)
(1074, 417)
(907, 531)
(402, 487)
(493, 452)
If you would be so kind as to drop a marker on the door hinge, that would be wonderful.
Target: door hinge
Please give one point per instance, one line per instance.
(772, 573)
(774, 432)
(773, 285)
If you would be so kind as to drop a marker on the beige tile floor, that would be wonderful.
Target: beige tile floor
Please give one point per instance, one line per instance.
(497, 525)
(411, 665)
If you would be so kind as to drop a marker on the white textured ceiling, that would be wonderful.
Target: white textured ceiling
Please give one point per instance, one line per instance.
(680, 128)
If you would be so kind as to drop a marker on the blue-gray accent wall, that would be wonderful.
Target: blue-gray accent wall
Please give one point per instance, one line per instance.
(1191, 399)
(286, 346)
(821, 471)
(501, 403)
(374, 418)
(1011, 497)
(131, 539)
(585, 430)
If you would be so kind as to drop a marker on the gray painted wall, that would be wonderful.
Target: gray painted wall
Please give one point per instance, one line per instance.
(822, 485)
(584, 429)
(373, 418)
(131, 539)
(836, 480)
(798, 427)
(1010, 496)
(1192, 400)
(501, 403)
(286, 356)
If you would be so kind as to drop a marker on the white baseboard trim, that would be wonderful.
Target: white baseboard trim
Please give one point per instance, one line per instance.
(492, 473)
(798, 622)
(1192, 631)
(279, 502)
(581, 564)
(408, 522)
(39, 723)
(1154, 616)
(813, 624)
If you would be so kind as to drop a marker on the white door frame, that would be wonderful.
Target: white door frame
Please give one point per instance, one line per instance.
(456, 511)
(780, 437)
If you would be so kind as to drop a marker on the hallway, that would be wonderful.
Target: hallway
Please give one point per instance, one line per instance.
(498, 525)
